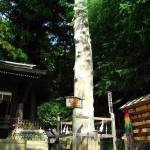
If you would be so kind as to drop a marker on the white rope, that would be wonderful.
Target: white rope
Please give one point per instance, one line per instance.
(64, 129)
(67, 131)
(102, 126)
(61, 128)
(106, 127)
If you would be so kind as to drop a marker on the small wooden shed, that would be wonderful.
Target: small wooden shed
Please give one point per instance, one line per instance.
(139, 112)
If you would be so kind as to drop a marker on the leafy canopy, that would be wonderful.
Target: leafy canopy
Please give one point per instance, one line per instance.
(120, 36)
(8, 49)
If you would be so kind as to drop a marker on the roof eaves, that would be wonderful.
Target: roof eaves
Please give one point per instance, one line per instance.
(135, 101)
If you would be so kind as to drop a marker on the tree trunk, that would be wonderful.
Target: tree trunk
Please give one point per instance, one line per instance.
(83, 77)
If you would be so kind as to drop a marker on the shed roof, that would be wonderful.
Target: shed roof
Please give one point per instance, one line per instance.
(20, 69)
(136, 102)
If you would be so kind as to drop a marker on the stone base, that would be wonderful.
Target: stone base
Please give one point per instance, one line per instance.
(9, 144)
(37, 145)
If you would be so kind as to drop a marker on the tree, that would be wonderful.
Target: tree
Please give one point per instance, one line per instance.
(38, 26)
(8, 49)
(83, 77)
(120, 41)
(38, 32)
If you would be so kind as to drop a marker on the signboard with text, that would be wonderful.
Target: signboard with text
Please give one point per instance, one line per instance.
(74, 102)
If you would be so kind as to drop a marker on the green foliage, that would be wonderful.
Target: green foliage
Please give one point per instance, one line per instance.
(120, 36)
(38, 26)
(49, 111)
(8, 50)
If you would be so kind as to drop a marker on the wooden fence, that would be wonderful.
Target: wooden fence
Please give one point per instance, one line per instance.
(104, 128)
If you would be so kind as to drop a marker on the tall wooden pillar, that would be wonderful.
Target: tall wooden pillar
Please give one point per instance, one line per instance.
(19, 112)
(32, 106)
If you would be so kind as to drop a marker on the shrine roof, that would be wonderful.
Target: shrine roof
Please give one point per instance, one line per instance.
(136, 102)
(20, 69)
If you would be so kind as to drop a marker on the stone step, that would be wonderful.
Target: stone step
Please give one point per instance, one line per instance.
(11, 144)
(37, 145)
(37, 149)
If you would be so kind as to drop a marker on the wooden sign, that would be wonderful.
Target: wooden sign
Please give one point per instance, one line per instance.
(110, 102)
(74, 102)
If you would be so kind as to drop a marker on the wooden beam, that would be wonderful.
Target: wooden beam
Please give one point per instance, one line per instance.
(95, 118)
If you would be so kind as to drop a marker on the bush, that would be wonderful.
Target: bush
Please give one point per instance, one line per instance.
(49, 111)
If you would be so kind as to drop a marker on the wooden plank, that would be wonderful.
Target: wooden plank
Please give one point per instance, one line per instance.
(105, 135)
(95, 135)
(66, 123)
(65, 135)
(113, 128)
(110, 102)
(95, 118)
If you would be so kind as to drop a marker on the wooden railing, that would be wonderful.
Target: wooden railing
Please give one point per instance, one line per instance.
(28, 124)
(19, 123)
(102, 125)
(13, 125)
(64, 126)
(104, 128)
